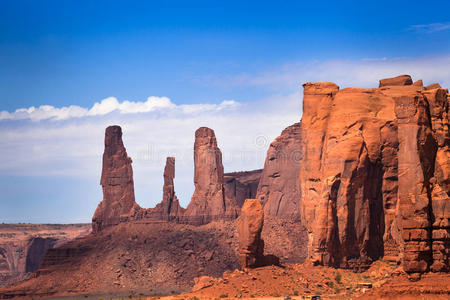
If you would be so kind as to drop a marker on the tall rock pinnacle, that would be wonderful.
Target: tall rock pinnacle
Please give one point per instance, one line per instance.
(208, 202)
(169, 208)
(116, 181)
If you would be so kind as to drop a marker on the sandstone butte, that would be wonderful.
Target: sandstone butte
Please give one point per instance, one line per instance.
(366, 172)
(375, 174)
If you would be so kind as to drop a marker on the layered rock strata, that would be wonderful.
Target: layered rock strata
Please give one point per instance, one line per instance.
(374, 176)
(208, 202)
(279, 189)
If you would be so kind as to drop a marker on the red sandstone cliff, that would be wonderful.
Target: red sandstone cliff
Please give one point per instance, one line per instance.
(239, 186)
(279, 189)
(375, 173)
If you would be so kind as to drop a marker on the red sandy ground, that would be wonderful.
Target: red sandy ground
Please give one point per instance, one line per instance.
(298, 280)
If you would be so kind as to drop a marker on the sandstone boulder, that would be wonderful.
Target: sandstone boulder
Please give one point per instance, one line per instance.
(117, 183)
(250, 225)
(278, 188)
(433, 86)
(399, 80)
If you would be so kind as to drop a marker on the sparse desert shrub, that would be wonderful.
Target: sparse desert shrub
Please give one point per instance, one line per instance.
(295, 293)
(338, 278)
(195, 298)
(223, 296)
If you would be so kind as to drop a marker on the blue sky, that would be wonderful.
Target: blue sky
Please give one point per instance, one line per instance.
(254, 55)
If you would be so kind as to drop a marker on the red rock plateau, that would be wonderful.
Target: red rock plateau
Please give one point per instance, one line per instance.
(364, 176)
(22, 246)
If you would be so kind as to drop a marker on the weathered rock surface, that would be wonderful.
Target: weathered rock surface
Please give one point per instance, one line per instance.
(239, 186)
(399, 80)
(208, 202)
(23, 246)
(374, 176)
(250, 225)
(433, 86)
(278, 188)
(117, 183)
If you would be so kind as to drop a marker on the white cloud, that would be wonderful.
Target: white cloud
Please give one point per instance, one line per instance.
(103, 107)
(430, 28)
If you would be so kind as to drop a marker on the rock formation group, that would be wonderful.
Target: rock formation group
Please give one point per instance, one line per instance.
(366, 170)
(365, 174)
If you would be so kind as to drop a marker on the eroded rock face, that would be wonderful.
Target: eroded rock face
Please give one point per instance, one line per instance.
(250, 225)
(23, 246)
(278, 188)
(117, 183)
(239, 186)
(169, 209)
(399, 80)
(374, 176)
(208, 202)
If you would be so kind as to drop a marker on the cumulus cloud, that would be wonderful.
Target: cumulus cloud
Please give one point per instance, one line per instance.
(107, 106)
